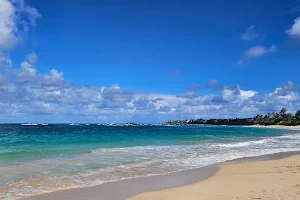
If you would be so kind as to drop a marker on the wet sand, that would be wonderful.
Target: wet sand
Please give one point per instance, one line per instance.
(273, 179)
(125, 189)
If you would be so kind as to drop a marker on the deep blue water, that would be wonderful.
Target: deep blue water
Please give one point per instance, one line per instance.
(38, 159)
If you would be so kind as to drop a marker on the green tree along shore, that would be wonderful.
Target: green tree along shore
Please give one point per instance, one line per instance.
(274, 118)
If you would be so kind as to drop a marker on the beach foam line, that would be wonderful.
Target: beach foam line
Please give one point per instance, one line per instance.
(244, 144)
(290, 136)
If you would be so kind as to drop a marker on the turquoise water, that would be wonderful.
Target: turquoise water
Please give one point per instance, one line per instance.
(39, 159)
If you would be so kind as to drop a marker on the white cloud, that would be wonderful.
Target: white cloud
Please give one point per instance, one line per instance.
(143, 103)
(26, 93)
(250, 34)
(26, 73)
(234, 93)
(245, 95)
(5, 60)
(11, 24)
(32, 58)
(8, 27)
(257, 51)
(294, 31)
(31, 12)
(214, 84)
(53, 78)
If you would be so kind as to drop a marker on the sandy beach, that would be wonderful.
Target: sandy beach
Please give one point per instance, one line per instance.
(278, 126)
(274, 179)
(246, 178)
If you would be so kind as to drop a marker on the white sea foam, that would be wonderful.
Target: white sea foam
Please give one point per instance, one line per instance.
(244, 144)
(290, 136)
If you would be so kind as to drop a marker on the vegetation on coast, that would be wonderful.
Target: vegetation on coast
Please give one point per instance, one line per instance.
(274, 118)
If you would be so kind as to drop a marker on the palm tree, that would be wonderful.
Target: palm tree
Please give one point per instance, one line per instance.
(282, 113)
(297, 116)
(258, 119)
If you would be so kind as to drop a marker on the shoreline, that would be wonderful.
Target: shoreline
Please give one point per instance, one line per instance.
(271, 179)
(128, 188)
(277, 127)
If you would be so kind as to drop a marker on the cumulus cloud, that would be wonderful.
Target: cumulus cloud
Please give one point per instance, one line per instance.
(281, 97)
(4, 60)
(27, 72)
(12, 26)
(31, 13)
(234, 93)
(32, 58)
(251, 34)
(8, 27)
(189, 95)
(214, 84)
(27, 94)
(255, 52)
(290, 86)
(294, 31)
(144, 103)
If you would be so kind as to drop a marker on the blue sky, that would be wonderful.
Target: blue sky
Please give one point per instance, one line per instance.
(118, 61)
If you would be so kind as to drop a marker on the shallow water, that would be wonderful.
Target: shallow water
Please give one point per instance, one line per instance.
(39, 159)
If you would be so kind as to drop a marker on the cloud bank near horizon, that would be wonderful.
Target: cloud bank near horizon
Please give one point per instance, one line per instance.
(26, 93)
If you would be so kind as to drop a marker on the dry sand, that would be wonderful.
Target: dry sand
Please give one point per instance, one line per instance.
(278, 126)
(274, 180)
(248, 178)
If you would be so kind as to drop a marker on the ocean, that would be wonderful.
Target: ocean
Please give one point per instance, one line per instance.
(40, 159)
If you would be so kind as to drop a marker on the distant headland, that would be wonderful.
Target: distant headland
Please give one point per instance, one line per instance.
(282, 118)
